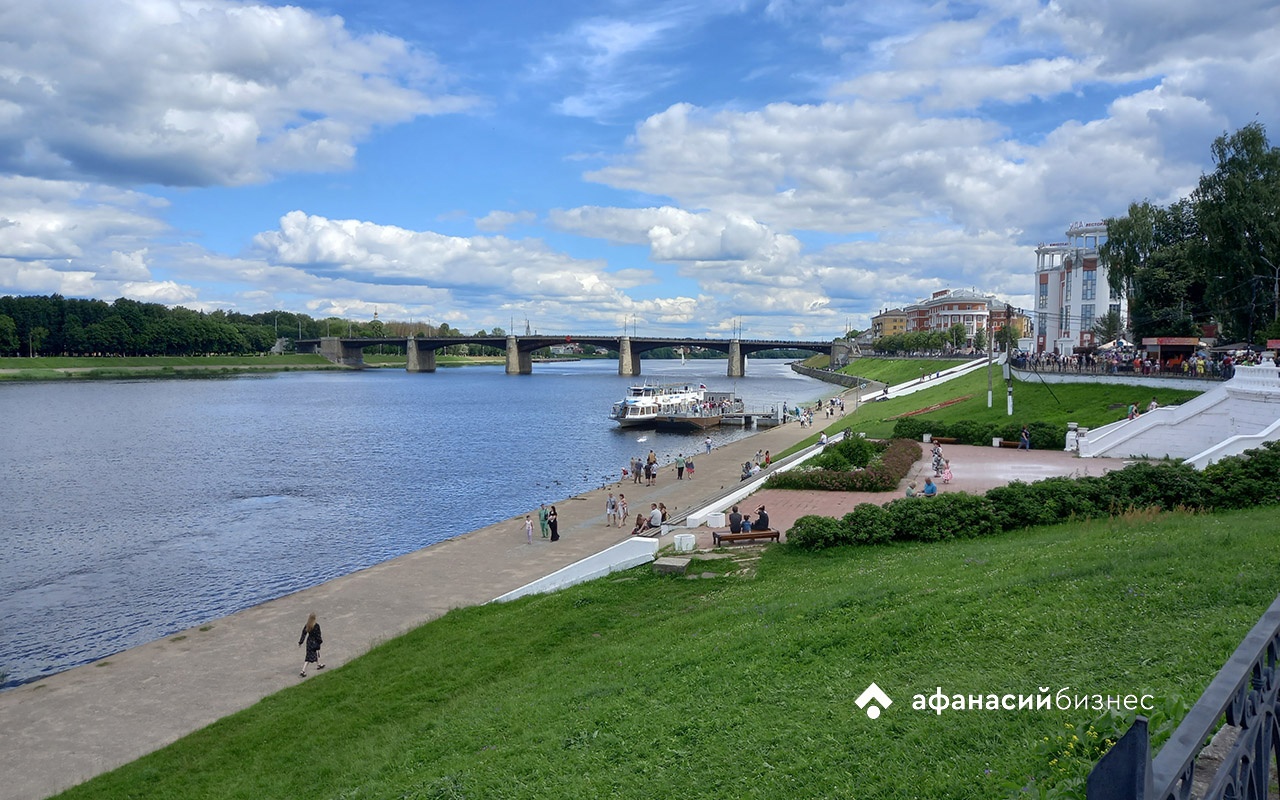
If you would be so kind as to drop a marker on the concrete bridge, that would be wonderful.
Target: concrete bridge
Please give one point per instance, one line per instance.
(421, 351)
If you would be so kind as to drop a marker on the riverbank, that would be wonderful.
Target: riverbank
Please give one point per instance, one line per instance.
(44, 368)
(66, 728)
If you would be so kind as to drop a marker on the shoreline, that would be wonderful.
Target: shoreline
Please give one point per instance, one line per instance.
(64, 729)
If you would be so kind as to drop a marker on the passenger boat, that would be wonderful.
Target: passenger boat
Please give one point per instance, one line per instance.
(646, 402)
(714, 409)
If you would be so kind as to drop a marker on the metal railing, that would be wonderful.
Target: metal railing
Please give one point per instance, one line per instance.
(1245, 694)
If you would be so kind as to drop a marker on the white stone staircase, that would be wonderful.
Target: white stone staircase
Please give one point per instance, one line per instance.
(1233, 417)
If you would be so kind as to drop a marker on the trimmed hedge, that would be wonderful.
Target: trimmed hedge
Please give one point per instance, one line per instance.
(1242, 481)
(881, 476)
(1044, 436)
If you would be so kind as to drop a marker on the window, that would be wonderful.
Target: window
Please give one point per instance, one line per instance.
(1089, 284)
(1086, 316)
(1040, 323)
(1043, 301)
(1066, 286)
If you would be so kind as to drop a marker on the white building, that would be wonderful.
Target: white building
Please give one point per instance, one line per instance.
(1072, 290)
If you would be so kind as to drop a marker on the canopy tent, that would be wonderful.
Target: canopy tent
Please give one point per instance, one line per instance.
(1114, 343)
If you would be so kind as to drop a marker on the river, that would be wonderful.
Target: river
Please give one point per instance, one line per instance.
(133, 509)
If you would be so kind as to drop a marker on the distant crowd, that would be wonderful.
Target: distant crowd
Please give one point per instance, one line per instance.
(1198, 365)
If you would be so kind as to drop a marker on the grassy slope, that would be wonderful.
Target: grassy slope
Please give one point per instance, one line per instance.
(899, 370)
(641, 686)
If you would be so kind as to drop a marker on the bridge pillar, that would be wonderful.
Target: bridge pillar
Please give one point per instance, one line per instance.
(628, 365)
(339, 352)
(420, 360)
(737, 362)
(518, 362)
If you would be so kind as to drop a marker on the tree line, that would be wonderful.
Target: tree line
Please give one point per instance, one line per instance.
(58, 326)
(1212, 258)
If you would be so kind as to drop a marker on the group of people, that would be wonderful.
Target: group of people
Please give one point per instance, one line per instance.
(742, 523)
(548, 521)
(643, 469)
(930, 489)
(658, 514)
(1133, 411)
(615, 510)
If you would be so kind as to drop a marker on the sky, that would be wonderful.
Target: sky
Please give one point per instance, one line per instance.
(783, 168)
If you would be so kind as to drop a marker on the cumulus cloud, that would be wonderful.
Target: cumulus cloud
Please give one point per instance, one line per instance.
(501, 220)
(674, 234)
(187, 93)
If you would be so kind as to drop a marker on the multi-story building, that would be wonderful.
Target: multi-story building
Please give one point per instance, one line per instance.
(1072, 291)
(949, 307)
(888, 322)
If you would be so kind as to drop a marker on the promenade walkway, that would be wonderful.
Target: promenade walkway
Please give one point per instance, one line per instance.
(69, 727)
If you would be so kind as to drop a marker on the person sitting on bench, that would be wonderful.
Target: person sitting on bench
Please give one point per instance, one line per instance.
(762, 520)
(735, 521)
(746, 523)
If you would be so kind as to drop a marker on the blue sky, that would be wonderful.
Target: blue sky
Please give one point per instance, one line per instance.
(789, 166)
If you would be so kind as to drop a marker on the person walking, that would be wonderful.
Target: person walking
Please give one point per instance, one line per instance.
(311, 635)
(622, 509)
(1024, 439)
(680, 465)
(688, 467)
(707, 444)
(610, 511)
(528, 527)
(553, 522)
(542, 520)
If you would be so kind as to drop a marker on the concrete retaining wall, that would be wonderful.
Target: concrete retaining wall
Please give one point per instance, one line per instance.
(632, 553)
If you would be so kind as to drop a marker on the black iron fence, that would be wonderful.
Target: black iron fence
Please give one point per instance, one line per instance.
(1244, 694)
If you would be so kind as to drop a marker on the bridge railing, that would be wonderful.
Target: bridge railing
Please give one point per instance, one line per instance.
(1244, 693)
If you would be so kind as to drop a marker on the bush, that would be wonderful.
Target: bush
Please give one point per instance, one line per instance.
(954, 515)
(849, 453)
(914, 428)
(968, 431)
(1245, 480)
(868, 523)
(1162, 486)
(814, 532)
(881, 476)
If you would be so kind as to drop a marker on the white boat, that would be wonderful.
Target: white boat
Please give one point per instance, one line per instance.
(646, 402)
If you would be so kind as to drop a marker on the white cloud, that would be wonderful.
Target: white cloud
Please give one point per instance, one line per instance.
(193, 93)
(501, 220)
(674, 234)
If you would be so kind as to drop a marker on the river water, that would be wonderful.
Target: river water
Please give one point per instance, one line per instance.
(130, 510)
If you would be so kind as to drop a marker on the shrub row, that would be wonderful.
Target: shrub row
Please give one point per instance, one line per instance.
(1044, 436)
(1239, 482)
(881, 475)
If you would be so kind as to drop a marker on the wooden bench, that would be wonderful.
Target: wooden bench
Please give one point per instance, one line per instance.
(719, 537)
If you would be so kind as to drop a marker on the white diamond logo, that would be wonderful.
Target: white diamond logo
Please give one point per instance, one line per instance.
(870, 696)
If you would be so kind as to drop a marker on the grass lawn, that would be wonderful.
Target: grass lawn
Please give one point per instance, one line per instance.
(1089, 404)
(894, 371)
(640, 686)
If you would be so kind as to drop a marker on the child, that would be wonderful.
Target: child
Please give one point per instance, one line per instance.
(946, 472)
(528, 528)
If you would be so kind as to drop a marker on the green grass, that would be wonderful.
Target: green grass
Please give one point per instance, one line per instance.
(894, 371)
(639, 686)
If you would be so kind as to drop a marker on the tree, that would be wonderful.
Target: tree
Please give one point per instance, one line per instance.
(956, 335)
(1237, 206)
(9, 342)
(980, 339)
(1108, 327)
(1156, 256)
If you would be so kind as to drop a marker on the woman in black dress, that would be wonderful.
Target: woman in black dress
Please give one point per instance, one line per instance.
(553, 523)
(311, 635)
